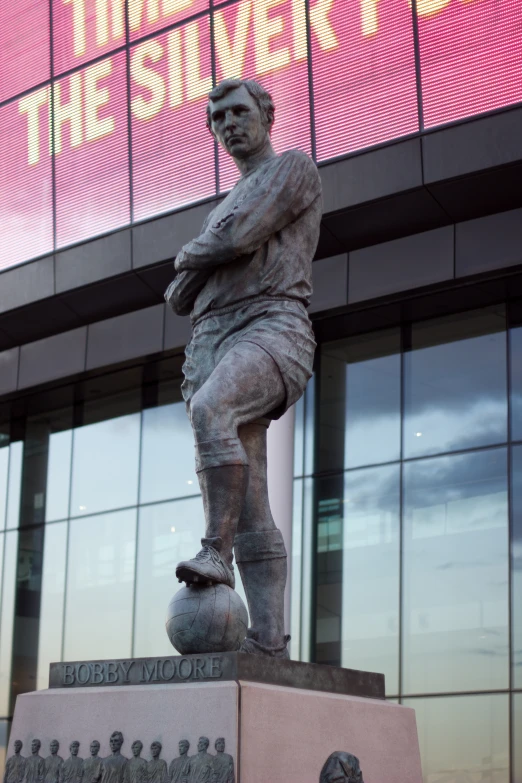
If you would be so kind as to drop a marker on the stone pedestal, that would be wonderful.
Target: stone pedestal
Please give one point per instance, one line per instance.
(280, 720)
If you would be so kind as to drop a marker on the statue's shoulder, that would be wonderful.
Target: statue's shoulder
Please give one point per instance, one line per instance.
(299, 158)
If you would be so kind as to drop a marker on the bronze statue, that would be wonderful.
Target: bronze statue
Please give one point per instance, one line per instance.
(180, 767)
(246, 280)
(34, 764)
(71, 771)
(341, 767)
(92, 766)
(53, 763)
(114, 767)
(223, 764)
(156, 767)
(136, 768)
(202, 764)
(15, 766)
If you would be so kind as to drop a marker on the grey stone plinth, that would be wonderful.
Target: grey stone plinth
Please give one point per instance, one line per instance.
(216, 667)
(274, 733)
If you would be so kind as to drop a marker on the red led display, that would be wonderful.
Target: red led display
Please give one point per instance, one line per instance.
(364, 73)
(150, 16)
(471, 57)
(172, 151)
(91, 150)
(85, 29)
(266, 40)
(26, 224)
(24, 45)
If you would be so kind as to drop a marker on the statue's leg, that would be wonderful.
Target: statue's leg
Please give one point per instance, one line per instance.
(245, 385)
(260, 553)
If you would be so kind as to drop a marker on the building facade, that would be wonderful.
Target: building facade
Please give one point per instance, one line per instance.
(397, 478)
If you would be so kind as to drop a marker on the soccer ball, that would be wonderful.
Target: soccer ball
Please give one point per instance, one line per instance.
(206, 618)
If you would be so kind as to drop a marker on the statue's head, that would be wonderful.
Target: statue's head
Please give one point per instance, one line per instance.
(35, 746)
(341, 767)
(74, 747)
(54, 746)
(203, 743)
(183, 747)
(95, 748)
(155, 749)
(137, 747)
(240, 115)
(220, 744)
(116, 741)
(18, 745)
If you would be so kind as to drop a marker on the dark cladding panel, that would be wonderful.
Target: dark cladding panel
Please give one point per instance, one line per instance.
(53, 357)
(9, 370)
(93, 261)
(491, 242)
(125, 337)
(330, 283)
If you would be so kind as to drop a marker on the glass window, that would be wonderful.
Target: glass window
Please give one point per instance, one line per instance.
(51, 606)
(9, 551)
(4, 470)
(455, 391)
(5, 728)
(360, 401)
(58, 476)
(516, 563)
(167, 454)
(517, 738)
(515, 358)
(370, 599)
(105, 465)
(296, 570)
(100, 582)
(463, 738)
(455, 621)
(14, 484)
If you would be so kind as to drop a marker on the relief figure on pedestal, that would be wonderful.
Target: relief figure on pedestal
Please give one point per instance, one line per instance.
(179, 768)
(114, 766)
(71, 770)
(341, 767)
(156, 768)
(93, 764)
(202, 764)
(34, 764)
(15, 766)
(223, 764)
(136, 769)
(53, 763)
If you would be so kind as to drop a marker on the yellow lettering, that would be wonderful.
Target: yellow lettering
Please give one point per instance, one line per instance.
(431, 7)
(264, 30)
(136, 12)
(321, 25)
(102, 20)
(175, 68)
(30, 105)
(79, 36)
(197, 85)
(299, 30)
(369, 17)
(94, 98)
(69, 112)
(170, 7)
(146, 77)
(231, 56)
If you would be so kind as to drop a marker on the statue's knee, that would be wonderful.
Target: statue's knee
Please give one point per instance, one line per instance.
(201, 414)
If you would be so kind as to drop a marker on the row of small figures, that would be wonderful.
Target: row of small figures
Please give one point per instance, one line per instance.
(202, 767)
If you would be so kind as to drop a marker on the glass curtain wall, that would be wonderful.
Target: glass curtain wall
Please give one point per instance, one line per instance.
(413, 503)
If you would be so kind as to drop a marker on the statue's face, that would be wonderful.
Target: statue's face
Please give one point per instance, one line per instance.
(155, 749)
(35, 746)
(115, 743)
(95, 748)
(183, 747)
(18, 746)
(53, 747)
(237, 123)
(203, 743)
(74, 748)
(220, 745)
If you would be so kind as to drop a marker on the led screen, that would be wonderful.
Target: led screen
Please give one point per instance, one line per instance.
(91, 150)
(130, 78)
(26, 222)
(24, 45)
(172, 151)
(471, 56)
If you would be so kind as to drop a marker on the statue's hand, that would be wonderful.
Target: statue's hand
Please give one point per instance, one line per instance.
(184, 289)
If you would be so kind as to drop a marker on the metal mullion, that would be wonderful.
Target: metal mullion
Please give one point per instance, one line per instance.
(510, 559)
(311, 98)
(404, 342)
(418, 71)
(51, 129)
(129, 120)
(214, 82)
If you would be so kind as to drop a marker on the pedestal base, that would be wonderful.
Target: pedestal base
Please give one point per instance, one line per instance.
(275, 733)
